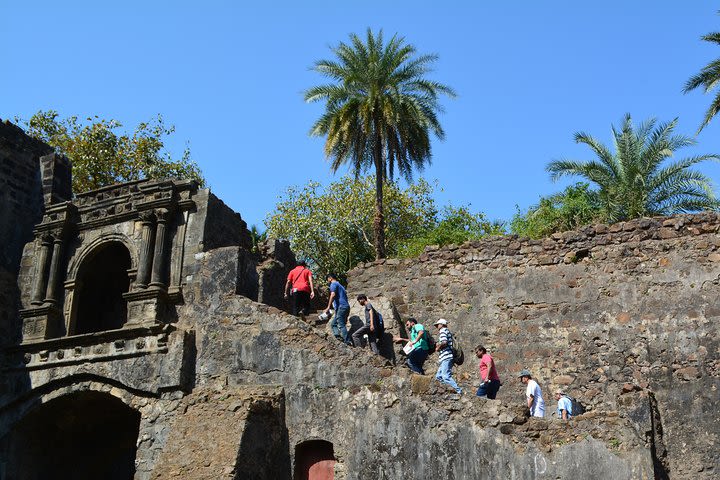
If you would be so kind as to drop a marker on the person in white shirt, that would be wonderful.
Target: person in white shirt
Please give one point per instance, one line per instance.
(533, 394)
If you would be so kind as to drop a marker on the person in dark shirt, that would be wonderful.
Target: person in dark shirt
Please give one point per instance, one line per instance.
(372, 328)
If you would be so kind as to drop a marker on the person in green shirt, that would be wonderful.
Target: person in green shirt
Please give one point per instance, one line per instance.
(418, 340)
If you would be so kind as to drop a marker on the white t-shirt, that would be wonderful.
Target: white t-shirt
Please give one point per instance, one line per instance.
(537, 409)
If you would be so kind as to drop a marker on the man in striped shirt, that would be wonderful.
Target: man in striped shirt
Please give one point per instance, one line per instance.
(445, 355)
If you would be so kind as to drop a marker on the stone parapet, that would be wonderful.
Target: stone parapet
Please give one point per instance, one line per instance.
(601, 313)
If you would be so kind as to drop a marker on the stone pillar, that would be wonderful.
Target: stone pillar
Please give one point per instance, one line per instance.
(40, 283)
(53, 277)
(146, 249)
(161, 251)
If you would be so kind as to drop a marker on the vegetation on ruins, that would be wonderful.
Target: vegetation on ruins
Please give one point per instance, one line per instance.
(570, 209)
(257, 237)
(101, 155)
(638, 179)
(380, 110)
(331, 226)
(454, 225)
(708, 79)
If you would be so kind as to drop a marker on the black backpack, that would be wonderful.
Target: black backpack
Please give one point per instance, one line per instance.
(379, 323)
(577, 407)
(458, 355)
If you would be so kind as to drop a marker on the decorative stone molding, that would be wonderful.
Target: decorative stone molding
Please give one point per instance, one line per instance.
(145, 217)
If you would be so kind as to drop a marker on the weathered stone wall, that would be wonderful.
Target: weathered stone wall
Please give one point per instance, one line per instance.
(606, 313)
(225, 227)
(276, 261)
(383, 422)
(21, 193)
(226, 387)
(21, 207)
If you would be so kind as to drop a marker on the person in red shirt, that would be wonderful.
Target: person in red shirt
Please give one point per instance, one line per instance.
(490, 381)
(300, 284)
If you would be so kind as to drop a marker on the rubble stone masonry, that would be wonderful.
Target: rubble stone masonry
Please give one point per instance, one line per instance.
(141, 337)
(608, 313)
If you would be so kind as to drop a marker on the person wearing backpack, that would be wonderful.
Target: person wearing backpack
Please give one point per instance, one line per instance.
(300, 285)
(564, 408)
(339, 300)
(445, 355)
(374, 326)
(418, 343)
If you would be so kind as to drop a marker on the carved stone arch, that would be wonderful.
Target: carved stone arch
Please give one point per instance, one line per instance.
(84, 429)
(79, 382)
(92, 247)
(99, 277)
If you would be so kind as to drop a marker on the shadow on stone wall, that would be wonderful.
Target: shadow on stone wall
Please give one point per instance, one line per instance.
(83, 435)
(264, 452)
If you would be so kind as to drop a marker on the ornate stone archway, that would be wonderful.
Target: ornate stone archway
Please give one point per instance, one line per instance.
(84, 434)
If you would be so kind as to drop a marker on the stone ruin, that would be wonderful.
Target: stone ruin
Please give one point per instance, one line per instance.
(142, 338)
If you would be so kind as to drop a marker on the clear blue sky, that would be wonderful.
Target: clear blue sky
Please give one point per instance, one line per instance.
(230, 77)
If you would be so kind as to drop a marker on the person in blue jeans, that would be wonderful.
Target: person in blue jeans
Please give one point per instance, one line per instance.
(416, 358)
(445, 358)
(339, 300)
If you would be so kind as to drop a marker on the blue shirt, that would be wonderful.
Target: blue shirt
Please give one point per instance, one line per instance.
(340, 299)
(564, 404)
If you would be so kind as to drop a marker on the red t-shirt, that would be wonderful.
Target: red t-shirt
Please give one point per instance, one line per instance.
(300, 278)
(484, 362)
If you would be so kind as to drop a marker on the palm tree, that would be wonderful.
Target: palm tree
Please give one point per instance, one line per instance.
(635, 181)
(379, 112)
(708, 78)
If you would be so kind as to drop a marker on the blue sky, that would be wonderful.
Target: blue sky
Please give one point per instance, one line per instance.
(230, 77)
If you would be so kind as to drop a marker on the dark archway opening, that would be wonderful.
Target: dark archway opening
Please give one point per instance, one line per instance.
(102, 280)
(314, 460)
(87, 435)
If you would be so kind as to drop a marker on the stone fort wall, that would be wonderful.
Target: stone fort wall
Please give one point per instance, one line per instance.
(30, 176)
(224, 386)
(606, 313)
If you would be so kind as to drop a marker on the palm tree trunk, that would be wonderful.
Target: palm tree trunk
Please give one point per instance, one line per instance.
(379, 221)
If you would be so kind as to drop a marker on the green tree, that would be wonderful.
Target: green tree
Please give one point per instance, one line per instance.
(379, 112)
(332, 226)
(102, 156)
(257, 237)
(570, 209)
(456, 225)
(636, 180)
(708, 78)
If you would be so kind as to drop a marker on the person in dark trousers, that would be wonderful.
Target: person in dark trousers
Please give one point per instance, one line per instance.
(300, 286)
(339, 300)
(489, 379)
(372, 327)
(418, 343)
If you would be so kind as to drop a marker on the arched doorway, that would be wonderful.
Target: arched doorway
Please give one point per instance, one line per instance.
(314, 460)
(101, 281)
(82, 435)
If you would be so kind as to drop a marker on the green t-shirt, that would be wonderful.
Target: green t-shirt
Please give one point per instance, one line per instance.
(414, 332)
